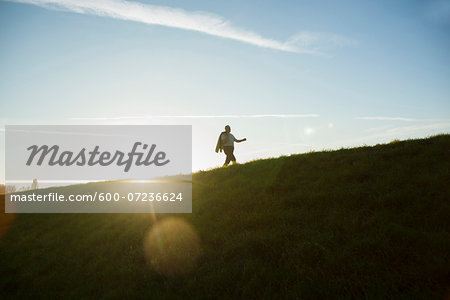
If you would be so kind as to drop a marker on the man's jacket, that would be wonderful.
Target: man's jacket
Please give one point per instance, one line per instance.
(219, 146)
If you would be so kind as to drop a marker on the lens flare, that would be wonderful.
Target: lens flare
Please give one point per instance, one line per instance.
(308, 131)
(172, 247)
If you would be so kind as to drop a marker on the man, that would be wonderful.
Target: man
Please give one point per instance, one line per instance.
(226, 140)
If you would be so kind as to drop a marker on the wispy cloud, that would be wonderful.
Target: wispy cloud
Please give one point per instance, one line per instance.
(383, 134)
(418, 128)
(208, 23)
(317, 43)
(386, 118)
(400, 119)
(287, 116)
(411, 131)
(60, 132)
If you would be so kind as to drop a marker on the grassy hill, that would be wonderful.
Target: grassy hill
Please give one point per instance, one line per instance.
(369, 222)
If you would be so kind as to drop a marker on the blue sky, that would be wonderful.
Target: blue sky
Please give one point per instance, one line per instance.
(291, 76)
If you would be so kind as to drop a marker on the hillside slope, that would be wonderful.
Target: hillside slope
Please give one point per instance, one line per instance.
(369, 222)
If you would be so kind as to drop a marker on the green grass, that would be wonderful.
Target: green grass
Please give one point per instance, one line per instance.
(369, 222)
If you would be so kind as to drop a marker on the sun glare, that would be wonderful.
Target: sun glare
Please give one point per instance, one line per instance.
(172, 247)
(308, 131)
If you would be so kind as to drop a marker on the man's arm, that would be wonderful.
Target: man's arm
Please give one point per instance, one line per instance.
(243, 140)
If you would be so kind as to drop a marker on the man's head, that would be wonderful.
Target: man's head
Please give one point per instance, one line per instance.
(228, 128)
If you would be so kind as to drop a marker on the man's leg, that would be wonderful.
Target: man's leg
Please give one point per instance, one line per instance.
(227, 149)
(233, 159)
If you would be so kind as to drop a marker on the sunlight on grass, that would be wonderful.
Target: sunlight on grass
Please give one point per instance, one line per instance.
(172, 247)
(6, 220)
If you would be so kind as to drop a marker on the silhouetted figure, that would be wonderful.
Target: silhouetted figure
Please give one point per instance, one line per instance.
(226, 142)
(34, 185)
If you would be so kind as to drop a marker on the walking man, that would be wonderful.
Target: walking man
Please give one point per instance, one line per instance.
(226, 142)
